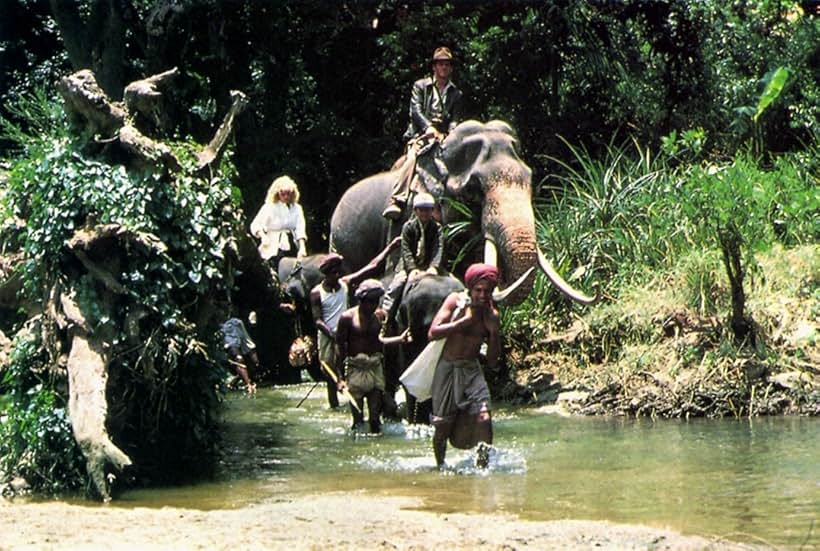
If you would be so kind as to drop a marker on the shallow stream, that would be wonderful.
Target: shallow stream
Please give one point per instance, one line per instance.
(754, 481)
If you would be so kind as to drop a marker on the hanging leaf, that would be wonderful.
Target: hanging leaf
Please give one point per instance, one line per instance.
(773, 88)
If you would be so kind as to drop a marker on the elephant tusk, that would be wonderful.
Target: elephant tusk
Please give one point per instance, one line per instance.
(563, 286)
(490, 252)
(501, 296)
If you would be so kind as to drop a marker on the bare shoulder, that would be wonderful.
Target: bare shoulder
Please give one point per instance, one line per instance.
(449, 303)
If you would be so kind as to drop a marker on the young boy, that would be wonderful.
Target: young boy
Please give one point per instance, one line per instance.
(421, 250)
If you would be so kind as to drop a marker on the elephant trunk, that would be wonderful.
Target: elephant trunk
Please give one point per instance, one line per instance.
(508, 224)
(508, 221)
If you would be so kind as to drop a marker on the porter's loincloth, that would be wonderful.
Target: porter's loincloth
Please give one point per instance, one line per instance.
(459, 385)
(365, 372)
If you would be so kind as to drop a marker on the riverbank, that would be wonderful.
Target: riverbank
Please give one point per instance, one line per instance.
(655, 351)
(324, 521)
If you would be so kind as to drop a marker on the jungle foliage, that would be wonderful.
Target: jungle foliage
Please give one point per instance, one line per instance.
(328, 82)
(684, 253)
(165, 384)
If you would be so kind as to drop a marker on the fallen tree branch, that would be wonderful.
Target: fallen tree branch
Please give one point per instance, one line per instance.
(142, 96)
(146, 152)
(86, 237)
(213, 151)
(87, 103)
(103, 276)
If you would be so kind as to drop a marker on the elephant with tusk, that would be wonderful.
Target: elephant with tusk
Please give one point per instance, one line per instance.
(477, 165)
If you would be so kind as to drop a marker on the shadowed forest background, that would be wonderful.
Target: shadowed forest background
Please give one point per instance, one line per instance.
(328, 82)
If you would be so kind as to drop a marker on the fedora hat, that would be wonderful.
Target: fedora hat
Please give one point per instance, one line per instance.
(442, 54)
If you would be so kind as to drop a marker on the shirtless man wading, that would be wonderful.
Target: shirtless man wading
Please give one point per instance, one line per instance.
(360, 352)
(461, 398)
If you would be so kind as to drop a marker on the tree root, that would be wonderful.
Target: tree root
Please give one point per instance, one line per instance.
(87, 404)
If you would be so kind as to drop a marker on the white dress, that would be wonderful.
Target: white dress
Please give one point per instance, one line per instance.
(273, 223)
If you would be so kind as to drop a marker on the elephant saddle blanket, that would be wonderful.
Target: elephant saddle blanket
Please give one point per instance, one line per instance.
(365, 372)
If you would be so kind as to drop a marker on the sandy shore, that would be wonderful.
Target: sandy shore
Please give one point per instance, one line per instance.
(326, 521)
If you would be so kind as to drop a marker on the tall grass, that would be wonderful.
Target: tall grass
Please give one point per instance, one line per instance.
(621, 219)
(602, 211)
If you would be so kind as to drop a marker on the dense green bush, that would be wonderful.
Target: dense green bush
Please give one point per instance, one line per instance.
(36, 441)
(175, 254)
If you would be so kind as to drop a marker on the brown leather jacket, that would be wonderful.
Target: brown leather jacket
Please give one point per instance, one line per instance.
(421, 108)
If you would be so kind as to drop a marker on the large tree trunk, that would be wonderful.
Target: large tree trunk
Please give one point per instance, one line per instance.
(87, 404)
(100, 251)
(96, 43)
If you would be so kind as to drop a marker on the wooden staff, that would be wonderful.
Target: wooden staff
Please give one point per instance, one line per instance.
(345, 391)
(308, 393)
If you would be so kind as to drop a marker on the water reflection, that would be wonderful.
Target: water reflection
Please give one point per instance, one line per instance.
(754, 479)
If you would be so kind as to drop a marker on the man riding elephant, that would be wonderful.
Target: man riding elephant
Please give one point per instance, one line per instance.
(435, 109)
(480, 168)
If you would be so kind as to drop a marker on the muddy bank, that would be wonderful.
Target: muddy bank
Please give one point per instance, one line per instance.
(327, 521)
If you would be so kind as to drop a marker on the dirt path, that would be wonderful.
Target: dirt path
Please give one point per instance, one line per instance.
(327, 521)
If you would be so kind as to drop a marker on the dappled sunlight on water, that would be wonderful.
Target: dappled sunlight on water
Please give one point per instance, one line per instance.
(757, 477)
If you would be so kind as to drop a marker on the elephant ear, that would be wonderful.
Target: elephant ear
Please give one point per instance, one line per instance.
(463, 157)
(468, 148)
(432, 172)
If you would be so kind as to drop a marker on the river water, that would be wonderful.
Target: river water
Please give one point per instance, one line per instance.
(750, 480)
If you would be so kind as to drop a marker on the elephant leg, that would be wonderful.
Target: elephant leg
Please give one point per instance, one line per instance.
(423, 411)
(418, 413)
(332, 395)
(412, 405)
(389, 406)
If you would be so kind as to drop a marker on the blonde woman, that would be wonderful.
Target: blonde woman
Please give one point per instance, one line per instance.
(280, 223)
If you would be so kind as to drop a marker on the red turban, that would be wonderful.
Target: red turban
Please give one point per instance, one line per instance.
(329, 262)
(477, 272)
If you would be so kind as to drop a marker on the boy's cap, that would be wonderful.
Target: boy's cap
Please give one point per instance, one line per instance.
(423, 200)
